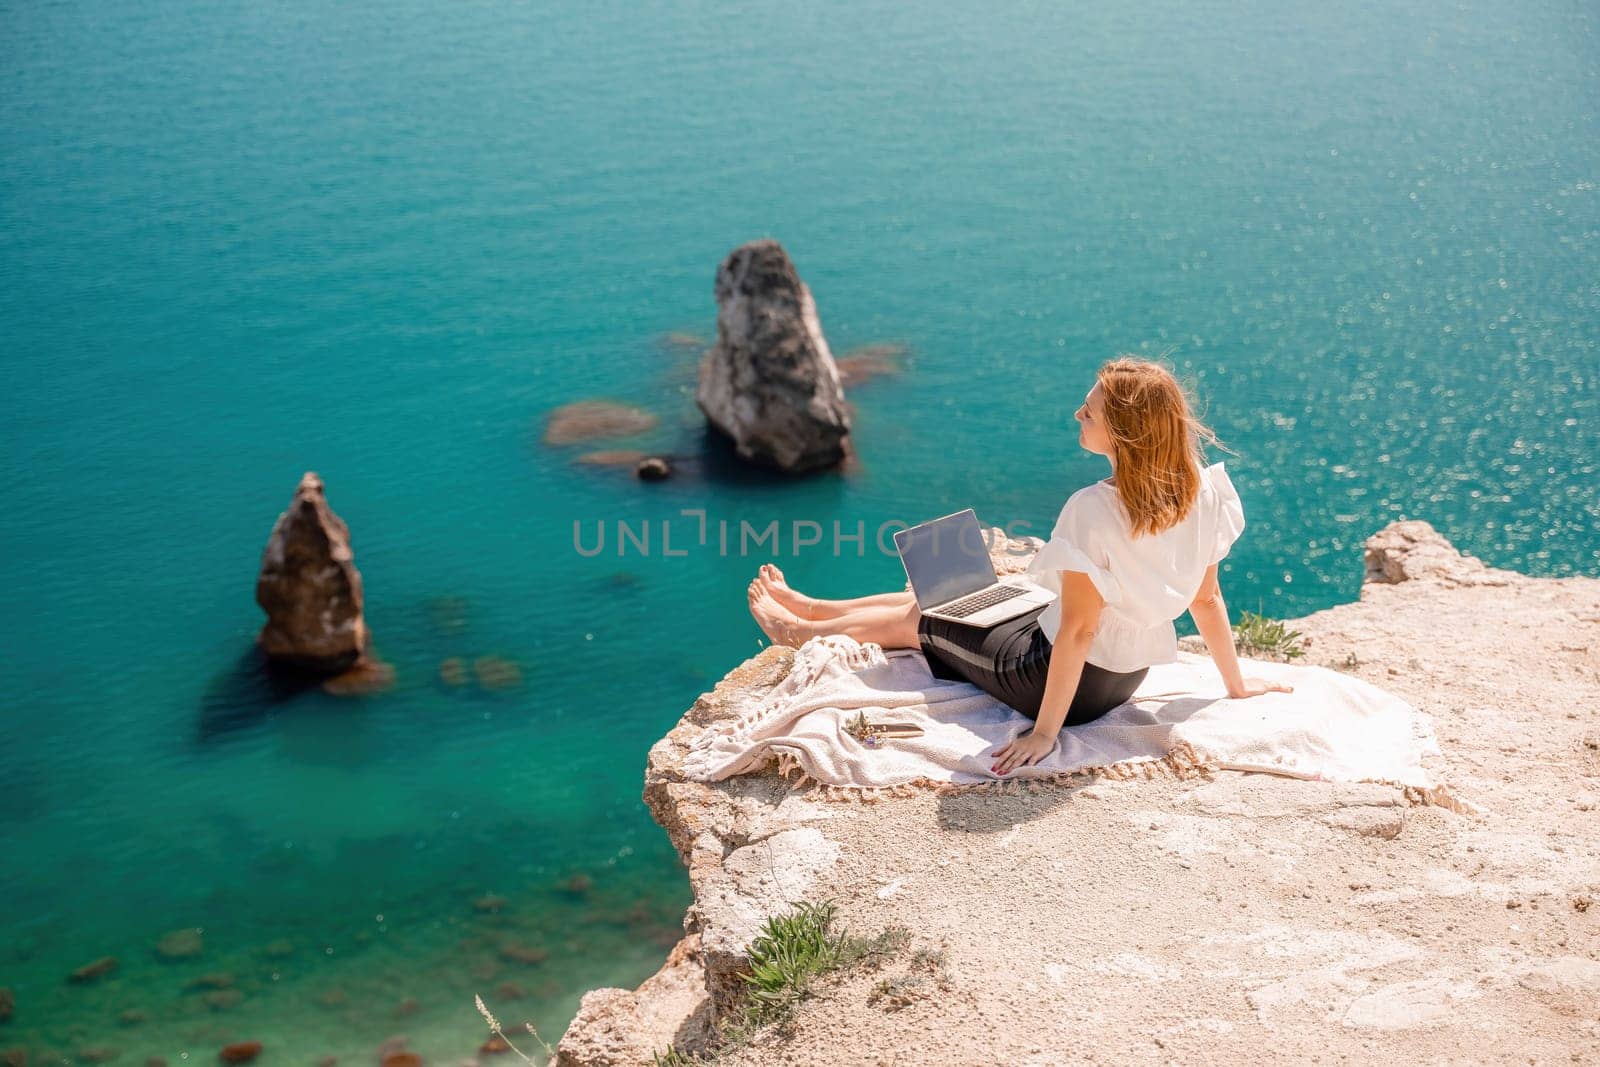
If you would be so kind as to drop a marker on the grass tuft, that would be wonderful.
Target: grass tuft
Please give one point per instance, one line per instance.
(1255, 635)
(787, 956)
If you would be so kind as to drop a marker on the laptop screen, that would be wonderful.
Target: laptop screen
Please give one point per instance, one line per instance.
(945, 558)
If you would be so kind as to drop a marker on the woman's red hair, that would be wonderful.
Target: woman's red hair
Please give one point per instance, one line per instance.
(1155, 441)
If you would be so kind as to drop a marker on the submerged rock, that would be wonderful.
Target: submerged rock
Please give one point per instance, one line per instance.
(368, 676)
(682, 339)
(222, 999)
(518, 952)
(8, 1004)
(769, 383)
(240, 1052)
(453, 672)
(586, 420)
(99, 968)
(496, 673)
(183, 944)
(449, 615)
(868, 362)
(612, 457)
(310, 588)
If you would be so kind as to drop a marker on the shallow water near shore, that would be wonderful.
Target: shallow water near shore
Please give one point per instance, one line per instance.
(383, 241)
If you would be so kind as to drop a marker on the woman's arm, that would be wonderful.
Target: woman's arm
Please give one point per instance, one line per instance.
(1081, 604)
(1080, 614)
(1210, 614)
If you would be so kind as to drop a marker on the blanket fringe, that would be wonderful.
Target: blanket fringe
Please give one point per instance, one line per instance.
(1183, 762)
(810, 660)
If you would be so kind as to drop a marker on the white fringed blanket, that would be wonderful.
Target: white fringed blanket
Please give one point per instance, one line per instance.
(1333, 727)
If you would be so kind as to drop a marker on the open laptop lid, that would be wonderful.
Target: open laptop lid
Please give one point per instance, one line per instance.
(946, 558)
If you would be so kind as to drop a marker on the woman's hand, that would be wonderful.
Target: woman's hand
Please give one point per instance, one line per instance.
(1254, 687)
(1031, 747)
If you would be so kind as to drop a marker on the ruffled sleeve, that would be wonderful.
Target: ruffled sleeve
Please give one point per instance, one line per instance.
(1076, 545)
(1230, 513)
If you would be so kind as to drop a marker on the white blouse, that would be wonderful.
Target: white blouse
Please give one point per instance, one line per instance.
(1148, 581)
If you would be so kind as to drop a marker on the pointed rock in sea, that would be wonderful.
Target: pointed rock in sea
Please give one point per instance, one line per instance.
(769, 383)
(310, 588)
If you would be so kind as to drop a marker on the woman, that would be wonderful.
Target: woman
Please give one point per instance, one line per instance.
(1127, 556)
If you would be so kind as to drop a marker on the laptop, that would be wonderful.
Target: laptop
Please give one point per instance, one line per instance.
(954, 578)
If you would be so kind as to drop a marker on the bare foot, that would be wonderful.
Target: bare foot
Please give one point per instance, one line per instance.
(780, 624)
(771, 578)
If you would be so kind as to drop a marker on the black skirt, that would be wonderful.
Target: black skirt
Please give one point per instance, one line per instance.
(1011, 660)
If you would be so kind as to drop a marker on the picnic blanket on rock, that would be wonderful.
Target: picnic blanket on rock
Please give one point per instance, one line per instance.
(1181, 722)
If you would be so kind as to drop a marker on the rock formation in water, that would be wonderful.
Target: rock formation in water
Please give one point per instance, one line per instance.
(653, 469)
(310, 588)
(769, 383)
(1224, 917)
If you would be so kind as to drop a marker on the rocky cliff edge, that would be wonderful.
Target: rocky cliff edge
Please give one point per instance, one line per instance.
(1219, 917)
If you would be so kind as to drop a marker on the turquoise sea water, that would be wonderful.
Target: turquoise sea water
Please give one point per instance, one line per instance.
(381, 241)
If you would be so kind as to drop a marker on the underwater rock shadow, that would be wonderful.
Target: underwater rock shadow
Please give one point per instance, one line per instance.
(246, 693)
(712, 455)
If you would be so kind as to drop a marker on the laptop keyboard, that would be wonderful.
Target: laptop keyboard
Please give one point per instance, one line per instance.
(984, 598)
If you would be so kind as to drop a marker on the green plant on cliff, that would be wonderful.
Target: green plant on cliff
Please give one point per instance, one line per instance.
(1256, 635)
(494, 1028)
(790, 952)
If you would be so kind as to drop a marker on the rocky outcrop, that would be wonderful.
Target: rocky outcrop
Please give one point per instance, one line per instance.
(1228, 917)
(310, 588)
(1414, 550)
(769, 383)
(670, 1009)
